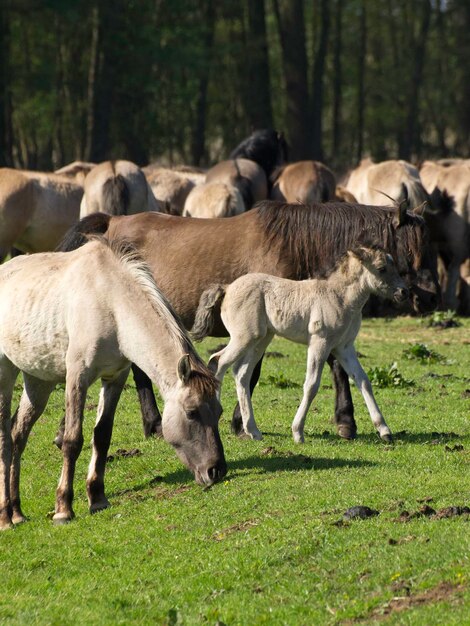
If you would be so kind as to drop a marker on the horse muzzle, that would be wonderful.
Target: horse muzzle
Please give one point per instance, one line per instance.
(401, 294)
(209, 476)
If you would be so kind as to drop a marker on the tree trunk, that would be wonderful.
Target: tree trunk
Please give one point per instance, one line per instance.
(410, 139)
(318, 73)
(6, 133)
(361, 103)
(198, 139)
(258, 101)
(337, 81)
(290, 21)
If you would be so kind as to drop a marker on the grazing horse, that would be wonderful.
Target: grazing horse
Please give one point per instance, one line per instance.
(266, 147)
(186, 256)
(245, 175)
(36, 210)
(214, 199)
(171, 187)
(86, 315)
(117, 188)
(303, 181)
(323, 313)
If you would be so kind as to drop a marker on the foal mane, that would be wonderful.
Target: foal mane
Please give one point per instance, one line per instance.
(313, 237)
(201, 378)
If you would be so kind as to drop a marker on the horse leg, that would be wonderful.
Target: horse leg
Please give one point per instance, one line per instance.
(344, 409)
(237, 420)
(75, 394)
(316, 357)
(348, 359)
(109, 397)
(8, 374)
(151, 418)
(32, 404)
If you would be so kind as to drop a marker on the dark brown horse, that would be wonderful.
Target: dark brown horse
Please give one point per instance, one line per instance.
(294, 241)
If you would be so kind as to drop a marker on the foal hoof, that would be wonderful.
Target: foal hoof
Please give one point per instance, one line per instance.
(346, 431)
(18, 519)
(387, 438)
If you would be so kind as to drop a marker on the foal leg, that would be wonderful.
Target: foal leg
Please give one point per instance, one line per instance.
(344, 409)
(8, 374)
(348, 359)
(151, 418)
(237, 420)
(75, 393)
(316, 357)
(109, 397)
(32, 404)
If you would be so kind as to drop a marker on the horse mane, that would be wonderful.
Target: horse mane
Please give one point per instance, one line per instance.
(276, 173)
(313, 237)
(132, 262)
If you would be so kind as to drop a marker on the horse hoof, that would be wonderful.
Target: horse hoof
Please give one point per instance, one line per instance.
(298, 438)
(6, 525)
(96, 507)
(346, 431)
(256, 435)
(18, 519)
(61, 519)
(387, 438)
(58, 441)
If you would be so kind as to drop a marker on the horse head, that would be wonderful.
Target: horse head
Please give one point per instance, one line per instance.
(190, 422)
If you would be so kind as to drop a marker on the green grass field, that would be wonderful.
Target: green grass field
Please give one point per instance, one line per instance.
(268, 544)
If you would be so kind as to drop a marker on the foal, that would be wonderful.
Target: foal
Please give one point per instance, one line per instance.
(323, 313)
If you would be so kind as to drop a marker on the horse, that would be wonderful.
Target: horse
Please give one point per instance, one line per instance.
(373, 183)
(343, 195)
(246, 175)
(77, 170)
(117, 188)
(85, 315)
(290, 241)
(214, 199)
(171, 187)
(36, 210)
(303, 181)
(450, 183)
(266, 147)
(322, 313)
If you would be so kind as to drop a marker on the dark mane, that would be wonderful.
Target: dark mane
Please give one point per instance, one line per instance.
(313, 237)
(266, 147)
(201, 379)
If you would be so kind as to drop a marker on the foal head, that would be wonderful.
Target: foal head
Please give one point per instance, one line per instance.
(381, 273)
(190, 422)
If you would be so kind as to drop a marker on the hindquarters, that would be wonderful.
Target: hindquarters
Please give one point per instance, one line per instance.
(304, 181)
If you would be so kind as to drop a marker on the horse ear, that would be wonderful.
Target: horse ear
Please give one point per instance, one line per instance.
(361, 252)
(184, 368)
(400, 218)
(420, 209)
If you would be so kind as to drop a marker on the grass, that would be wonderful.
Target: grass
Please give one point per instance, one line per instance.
(265, 545)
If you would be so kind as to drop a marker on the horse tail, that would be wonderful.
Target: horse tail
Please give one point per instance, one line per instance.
(116, 196)
(210, 299)
(415, 195)
(76, 236)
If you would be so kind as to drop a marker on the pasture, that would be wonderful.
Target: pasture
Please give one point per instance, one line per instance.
(268, 545)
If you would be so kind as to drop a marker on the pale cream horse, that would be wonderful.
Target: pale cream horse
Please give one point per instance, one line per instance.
(377, 183)
(84, 315)
(36, 210)
(171, 187)
(77, 170)
(117, 188)
(323, 313)
(216, 199)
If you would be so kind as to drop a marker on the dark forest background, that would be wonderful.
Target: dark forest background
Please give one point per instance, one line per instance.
(183, 81)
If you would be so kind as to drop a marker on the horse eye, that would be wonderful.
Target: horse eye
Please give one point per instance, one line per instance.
(193, 414)
(382, 270)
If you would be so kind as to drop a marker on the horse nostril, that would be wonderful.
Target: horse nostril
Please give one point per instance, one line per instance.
(217, 472)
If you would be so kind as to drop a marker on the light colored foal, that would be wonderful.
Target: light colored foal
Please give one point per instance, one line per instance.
(323, 313)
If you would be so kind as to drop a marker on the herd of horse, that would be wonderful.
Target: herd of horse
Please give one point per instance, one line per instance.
(133, 271)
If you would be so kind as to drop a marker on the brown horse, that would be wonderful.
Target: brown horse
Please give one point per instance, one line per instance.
(303, 181)
(246, 175)
(293, 241)
(36, 210)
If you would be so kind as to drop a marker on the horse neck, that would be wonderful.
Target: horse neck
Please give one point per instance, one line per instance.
(152, 339)
(352, 284)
